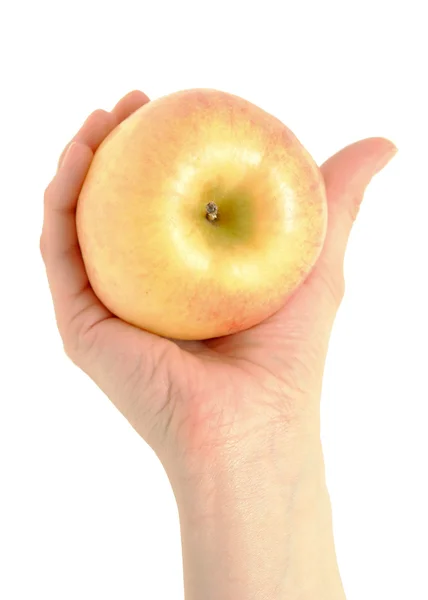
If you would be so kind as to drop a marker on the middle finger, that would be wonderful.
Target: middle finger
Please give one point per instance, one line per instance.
(93, 131)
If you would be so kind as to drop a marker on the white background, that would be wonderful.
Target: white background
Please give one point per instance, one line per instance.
(86, 511)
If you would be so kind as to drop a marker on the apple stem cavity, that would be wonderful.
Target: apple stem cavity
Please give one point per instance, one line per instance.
(211, 211)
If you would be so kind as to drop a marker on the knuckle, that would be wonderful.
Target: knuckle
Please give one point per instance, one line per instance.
(42, 246)
(69, 350)
(47, 195)
(339, 288)
(72, 346)
(79, 336)
(71, 343)
(73, 352)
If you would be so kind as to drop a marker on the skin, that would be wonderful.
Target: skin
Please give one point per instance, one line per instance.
(176, 155)
(235, 421)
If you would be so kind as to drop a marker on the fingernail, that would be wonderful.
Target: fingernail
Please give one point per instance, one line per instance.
(67, 154)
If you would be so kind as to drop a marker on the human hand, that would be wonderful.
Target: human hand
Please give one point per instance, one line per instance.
(183, 394)
(221, 402)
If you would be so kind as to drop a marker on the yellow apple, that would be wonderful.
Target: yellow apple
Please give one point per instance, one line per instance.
(199, 216)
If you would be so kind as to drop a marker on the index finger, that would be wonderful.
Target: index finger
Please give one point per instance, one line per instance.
(89, 135)
(94, 129)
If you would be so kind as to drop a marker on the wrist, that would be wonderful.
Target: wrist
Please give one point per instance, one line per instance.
(256, 521)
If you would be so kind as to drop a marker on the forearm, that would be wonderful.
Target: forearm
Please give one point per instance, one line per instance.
(252, 528)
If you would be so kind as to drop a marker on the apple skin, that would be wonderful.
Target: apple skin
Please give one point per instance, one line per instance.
(151, 254)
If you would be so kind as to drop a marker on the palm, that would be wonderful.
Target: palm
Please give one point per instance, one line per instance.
(151, 378)
(283, 355)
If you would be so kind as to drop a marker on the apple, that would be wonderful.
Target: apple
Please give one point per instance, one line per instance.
(200, 215)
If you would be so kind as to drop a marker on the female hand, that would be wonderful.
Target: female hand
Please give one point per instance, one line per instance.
(242, 410)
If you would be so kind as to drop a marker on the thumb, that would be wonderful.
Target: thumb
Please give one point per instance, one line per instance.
(346, 177)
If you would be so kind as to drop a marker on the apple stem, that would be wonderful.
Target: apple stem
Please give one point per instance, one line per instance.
(212, 211)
